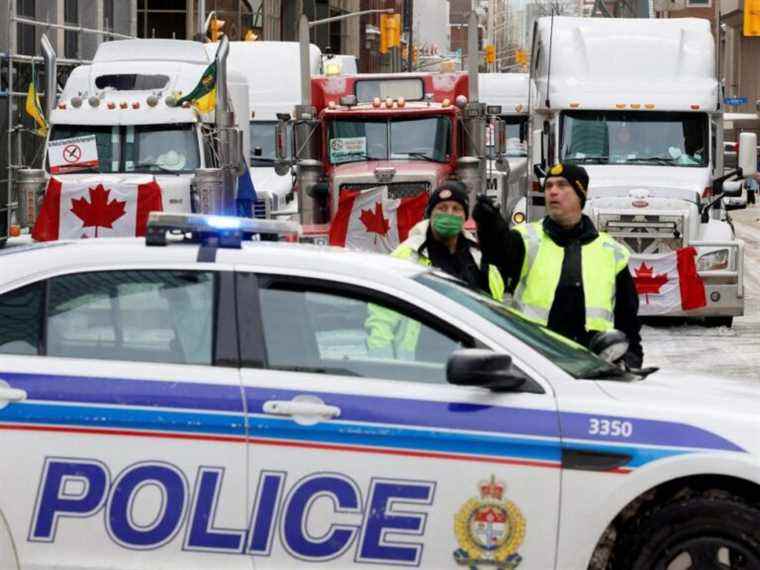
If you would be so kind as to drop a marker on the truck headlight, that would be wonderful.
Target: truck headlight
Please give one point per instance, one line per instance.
(713, 261)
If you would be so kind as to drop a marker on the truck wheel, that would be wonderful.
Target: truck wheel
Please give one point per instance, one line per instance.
(719, 321)
(697, 533)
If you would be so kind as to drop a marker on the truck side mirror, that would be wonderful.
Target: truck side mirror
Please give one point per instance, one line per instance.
(282, 163)
(537, 148)
(747, 161)
(499, 138)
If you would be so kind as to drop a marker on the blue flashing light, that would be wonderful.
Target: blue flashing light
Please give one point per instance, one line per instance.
(223, 222)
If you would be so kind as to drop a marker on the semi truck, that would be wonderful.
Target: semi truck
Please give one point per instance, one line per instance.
(126, 99)
(647, 125)
(408, 132)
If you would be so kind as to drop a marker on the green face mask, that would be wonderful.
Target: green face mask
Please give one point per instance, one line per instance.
(447, 225)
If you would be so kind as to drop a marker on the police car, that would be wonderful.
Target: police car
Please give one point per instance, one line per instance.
(191, 401)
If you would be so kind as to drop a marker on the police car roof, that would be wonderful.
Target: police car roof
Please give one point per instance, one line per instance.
(40, 259)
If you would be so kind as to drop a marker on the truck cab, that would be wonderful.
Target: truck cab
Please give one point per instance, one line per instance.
(400, 131)
(650, 137)
(127, 99)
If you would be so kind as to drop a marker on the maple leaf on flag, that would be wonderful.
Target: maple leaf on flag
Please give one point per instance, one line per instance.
(98, 212)
(375, 222)
(646, 282)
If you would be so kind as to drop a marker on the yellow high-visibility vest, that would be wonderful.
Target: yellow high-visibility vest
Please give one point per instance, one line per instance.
(601, 261)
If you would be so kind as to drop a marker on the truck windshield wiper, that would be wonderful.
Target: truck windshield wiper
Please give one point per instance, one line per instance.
(355, 158)
(421, 155)
(583, 159)
(656, 159)
(161, 168)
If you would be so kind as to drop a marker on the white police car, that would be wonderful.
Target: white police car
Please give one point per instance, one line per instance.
(203, 406)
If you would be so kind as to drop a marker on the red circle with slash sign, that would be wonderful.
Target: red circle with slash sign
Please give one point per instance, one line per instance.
(72, 153)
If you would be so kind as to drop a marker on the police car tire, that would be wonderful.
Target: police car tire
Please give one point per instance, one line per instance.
(666, 530)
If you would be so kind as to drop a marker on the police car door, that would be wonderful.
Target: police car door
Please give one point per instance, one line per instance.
(122, 421)
(360, 457)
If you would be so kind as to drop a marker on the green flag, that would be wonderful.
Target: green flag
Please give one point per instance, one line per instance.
(203, 97)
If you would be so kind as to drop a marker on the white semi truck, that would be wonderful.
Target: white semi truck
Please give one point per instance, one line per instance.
(274, 80)
(637, 103)
(126, 98)
(509, 91)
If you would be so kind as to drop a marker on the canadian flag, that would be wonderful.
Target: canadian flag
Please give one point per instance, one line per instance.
(94, 208)
(367, 220)
(668, 283)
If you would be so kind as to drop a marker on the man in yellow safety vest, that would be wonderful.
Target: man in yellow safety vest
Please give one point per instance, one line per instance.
(561, 272)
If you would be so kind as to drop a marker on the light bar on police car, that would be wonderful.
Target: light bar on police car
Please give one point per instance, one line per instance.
(166, 227)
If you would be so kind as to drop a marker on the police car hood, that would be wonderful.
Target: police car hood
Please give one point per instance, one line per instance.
(684, 389)
(673, 182)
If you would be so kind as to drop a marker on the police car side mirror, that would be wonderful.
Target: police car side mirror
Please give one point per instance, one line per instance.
(609, 345)
(480, 367)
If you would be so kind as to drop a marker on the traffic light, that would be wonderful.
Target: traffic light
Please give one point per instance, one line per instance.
(490, 54)
(752, 17)
(215, 28)
(390, 31)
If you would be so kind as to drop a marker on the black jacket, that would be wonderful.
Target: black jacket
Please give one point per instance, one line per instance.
(505, 249)
(459, 264)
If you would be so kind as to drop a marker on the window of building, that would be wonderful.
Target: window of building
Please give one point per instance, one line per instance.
(698, 3)
(238, 16)
(162, 19)
(71, 38)
(26, 34)
(108, 15)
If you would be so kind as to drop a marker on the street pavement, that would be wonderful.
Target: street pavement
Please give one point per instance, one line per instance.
(733, 352)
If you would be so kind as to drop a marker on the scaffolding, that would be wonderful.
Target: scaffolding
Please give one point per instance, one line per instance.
(23, 146)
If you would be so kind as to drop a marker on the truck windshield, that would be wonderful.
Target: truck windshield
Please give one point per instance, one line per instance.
(161, 148)
(139, 148)
(389, 139)
(634, 137)
(262, 135)
(574, 359)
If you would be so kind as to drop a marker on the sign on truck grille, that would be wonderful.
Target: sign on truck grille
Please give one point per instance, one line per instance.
(649, 234)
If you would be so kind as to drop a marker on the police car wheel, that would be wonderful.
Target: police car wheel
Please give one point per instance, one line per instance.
(693, 534)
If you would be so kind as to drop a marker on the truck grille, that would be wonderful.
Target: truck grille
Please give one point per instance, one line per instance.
(395, 189)
(650, 234)
(261, 209)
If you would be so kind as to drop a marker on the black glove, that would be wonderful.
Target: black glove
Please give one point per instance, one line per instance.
(632, 360)
(491, 224)
(493, 230)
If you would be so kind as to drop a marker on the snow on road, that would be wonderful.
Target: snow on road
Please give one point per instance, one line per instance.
(723, 351)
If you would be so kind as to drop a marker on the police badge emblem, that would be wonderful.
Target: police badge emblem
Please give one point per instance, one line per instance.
(489, 529)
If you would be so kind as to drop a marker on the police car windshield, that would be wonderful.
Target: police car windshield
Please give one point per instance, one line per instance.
(571, 357)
